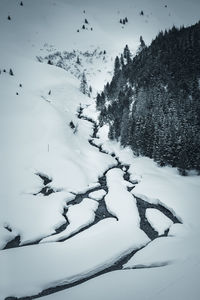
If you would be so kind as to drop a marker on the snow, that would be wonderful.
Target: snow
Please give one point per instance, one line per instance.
(158, 220)
(5, 236)
(97, 195)
(79, 216)
(36, 138)
(61, 263)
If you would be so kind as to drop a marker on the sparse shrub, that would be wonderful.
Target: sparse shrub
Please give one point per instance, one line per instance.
(11, 72)
(71, 124)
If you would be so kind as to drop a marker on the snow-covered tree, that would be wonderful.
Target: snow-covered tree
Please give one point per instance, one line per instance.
(142, 45)
(84, 85)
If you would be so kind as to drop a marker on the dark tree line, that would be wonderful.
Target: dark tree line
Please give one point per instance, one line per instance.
(153, 100)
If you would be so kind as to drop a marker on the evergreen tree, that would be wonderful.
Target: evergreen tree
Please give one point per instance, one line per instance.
(127, 54)
(117, 66)
(84, 85)
(100, 101)
(142, 45)
(11, 72)
(78, 60)
(153, 100)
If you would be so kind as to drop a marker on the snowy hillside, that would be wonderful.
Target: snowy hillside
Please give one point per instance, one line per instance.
(81, 218)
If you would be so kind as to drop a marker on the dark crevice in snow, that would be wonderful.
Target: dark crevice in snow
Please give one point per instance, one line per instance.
(102, 213)
(118, 265)
(63, 226)
(45, 178)
(144, 205)
(13, 243)
(8, 228)
(45, 190)
(145, 225)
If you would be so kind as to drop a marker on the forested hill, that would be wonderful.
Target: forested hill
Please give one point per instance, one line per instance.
(152, 103)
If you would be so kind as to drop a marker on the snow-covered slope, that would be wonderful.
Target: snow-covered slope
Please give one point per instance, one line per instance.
(49, 169)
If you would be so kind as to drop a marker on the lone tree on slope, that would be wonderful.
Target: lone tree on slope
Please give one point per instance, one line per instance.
(11, 72)
(84, 85)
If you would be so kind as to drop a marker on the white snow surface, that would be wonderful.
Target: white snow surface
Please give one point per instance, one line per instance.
(79, 216)
(85, 254)
(158, 220)
(36, 138)
(97, 195)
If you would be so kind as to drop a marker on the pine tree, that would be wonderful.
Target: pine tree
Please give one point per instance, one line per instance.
(71, 124)
(100, 101)
(78, 60)
(84, 85)
(127, 54)
(142, 45)
(153, 101)
(9, 18)
(21, 3)
(117, 66)
(124, 128)
(11, 72)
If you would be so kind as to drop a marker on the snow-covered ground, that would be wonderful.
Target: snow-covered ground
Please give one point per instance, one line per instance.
(45, 163)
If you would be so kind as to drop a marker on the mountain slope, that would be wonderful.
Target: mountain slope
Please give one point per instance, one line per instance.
(153, 100)
(58, 239)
